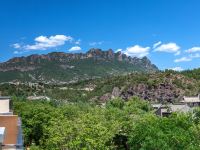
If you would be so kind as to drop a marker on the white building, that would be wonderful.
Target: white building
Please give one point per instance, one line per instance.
(191, 101)
(165, 110)
(4, 105)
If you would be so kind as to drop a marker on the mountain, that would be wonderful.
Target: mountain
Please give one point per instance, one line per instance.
(60, 67)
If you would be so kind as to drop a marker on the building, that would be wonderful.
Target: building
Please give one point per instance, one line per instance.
(32, 98)
(10, 127)
(165, 110)
(5, 106)
(191, 101)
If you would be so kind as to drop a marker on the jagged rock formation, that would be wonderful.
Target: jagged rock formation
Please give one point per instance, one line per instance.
(58, 67)
(160, 87)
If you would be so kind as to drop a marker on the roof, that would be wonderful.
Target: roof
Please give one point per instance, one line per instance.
(180, 108)
(4, 97)
(11, 128)
(156, 105)
(38, 98)
(190, 99)
(172, 107)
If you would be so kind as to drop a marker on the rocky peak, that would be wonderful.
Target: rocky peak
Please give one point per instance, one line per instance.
(95, 51)
(146, 60)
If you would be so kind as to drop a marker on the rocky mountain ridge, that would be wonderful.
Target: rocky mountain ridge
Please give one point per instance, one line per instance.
(94, 63)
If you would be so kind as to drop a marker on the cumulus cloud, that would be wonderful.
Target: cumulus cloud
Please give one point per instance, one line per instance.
(95, 43)
(44, 42)
(197, 55)
(182, 59)
(188, 58)
(16, 46)
(177, 69)
(193, 50)
(169, 48)
(78, 42)
(16, 52)
(75, 48)
(157, 44)
(177, 53)
(137, 51)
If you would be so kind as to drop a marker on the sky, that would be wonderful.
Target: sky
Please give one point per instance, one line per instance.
(166, 31)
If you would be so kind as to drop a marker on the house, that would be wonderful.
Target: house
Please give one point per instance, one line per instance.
(32, 98)
(10, 127)
(191, 101)
(165, 110)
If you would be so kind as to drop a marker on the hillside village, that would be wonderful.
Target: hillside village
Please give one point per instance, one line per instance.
(187, 104)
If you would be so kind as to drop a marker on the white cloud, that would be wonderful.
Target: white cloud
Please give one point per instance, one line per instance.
(157, 44)
(95, 43)
(137, 51)
(177, 53)
(188, 58)
(193, 49)
(183, 59)
(197, 55)
(16, 45)
(78, 42)
(16, 52)
(75, 48)
(177, 69)
(44, 42)
(169, 48)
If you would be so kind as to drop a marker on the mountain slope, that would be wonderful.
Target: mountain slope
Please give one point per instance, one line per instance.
(157, 87)
(59, 67)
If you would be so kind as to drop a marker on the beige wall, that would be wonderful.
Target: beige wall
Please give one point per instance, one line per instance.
(4, 106)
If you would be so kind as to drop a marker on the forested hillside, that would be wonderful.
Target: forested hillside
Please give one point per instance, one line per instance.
(168, 86)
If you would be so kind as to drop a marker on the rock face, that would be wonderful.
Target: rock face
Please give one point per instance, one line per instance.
(60, 66)
(116, 92)
(156, 87)
(162, 92)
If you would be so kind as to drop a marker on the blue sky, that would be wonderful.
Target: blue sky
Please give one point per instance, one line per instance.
(166, 31)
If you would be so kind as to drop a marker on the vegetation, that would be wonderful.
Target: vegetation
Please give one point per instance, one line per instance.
(195, 73)
(117, 125)
(92, 90)
(75, 119)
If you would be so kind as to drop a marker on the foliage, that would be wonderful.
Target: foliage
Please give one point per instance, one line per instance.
(117, 125)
